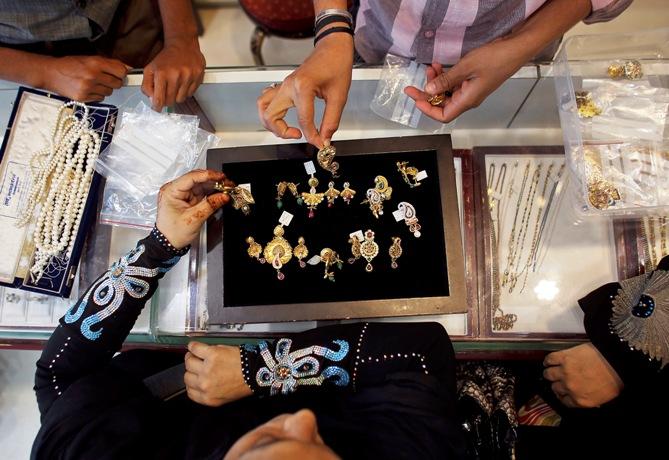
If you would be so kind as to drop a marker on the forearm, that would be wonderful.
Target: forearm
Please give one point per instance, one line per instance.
(178, 20)
(95, 327)
(348, 357)
(548, 24)
(27, 68)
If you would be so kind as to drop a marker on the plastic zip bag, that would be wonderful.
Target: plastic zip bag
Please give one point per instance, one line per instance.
(391, 103)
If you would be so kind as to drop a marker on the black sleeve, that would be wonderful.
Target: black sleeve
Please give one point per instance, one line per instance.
(95, 327)
(628, 322)
(349, 357)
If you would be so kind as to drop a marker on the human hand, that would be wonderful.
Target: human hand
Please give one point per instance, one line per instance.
(84, 78)
(470, 81)
(175, 73)
(214, 374)
(582, 377)
(185, 204)
(326, 74)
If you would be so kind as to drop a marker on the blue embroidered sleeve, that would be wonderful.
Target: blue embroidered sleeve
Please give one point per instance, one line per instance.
(97, 324)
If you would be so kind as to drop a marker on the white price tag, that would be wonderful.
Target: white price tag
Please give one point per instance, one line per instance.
(421, 175)
(285, 218)
(357, 235)
(315, 260)
(245, 186)
(309, 167)
(398, 215)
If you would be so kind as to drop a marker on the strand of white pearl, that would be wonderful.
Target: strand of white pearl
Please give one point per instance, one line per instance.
(62, 210)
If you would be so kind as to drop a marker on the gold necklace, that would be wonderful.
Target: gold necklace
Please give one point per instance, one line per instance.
(512, 234)
(524, 226)
(535, 237)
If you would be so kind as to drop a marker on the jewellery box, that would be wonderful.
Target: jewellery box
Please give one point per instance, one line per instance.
(29, 130)
(429, 278)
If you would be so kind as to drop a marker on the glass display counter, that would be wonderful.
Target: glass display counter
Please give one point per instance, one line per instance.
(568, 259)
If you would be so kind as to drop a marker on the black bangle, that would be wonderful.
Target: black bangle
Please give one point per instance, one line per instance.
(329, 20)
(165, 243)
(348, 30)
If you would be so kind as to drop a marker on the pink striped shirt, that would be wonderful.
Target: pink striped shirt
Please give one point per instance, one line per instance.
(445, 30)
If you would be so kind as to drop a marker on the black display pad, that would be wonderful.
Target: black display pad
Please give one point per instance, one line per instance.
(430, 276)
(422, 269)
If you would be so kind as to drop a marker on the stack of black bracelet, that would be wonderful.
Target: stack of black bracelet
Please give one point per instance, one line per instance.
(330, 16)
(165, 243)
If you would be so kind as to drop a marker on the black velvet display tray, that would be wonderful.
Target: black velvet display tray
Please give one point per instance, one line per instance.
(421, 269)
(240, 289)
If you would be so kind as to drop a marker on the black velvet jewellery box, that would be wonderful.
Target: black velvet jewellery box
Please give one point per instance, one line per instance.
(429, 278)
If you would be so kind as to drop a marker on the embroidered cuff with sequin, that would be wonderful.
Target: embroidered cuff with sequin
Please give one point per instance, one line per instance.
(271, 369)
(165, 243)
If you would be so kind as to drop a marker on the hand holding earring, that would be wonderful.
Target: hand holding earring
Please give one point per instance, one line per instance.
(325, 158)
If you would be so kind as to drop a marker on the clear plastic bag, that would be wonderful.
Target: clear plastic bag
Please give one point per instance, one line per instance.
(391, 103)
(149, 149)
(125, 206)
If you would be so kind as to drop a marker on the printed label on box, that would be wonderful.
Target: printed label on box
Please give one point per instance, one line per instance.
(13, 189)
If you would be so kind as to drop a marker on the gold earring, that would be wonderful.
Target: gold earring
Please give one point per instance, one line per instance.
(369, 249)
(255, 250)
(281, 188)
(312, 198)
(409, 173)
(348, 193)
(325, 158)
(242, 199)
(355, 249)
(278, 251)
(300, 251)
(395, 251)
(331, 194)
(586, 106)
(377, 195)
(408, 212)
(330, 258)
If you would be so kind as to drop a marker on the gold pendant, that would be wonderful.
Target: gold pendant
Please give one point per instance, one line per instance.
(395, 251)
(325, 158)
(300, 251)
(348, 193)
(331, 194)
(369, 249)
(278, 251)
(330, 258)
(377, 195)
(312, 198)
(409, 173)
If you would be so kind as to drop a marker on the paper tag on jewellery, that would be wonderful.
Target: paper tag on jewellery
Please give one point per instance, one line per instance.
(357, 235)
(285, 218)
(398, 215)
(315, 260)
(246, 187)
(309, 167)
(421, 175)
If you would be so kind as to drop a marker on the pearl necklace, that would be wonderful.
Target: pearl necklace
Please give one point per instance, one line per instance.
(62, 173)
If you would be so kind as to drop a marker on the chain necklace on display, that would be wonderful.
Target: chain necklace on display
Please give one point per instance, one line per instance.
(512, 235)
(500, 320)
(62, 173)
(519, 246)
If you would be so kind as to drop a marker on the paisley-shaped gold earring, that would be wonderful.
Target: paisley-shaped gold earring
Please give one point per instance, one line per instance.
(377, 195)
